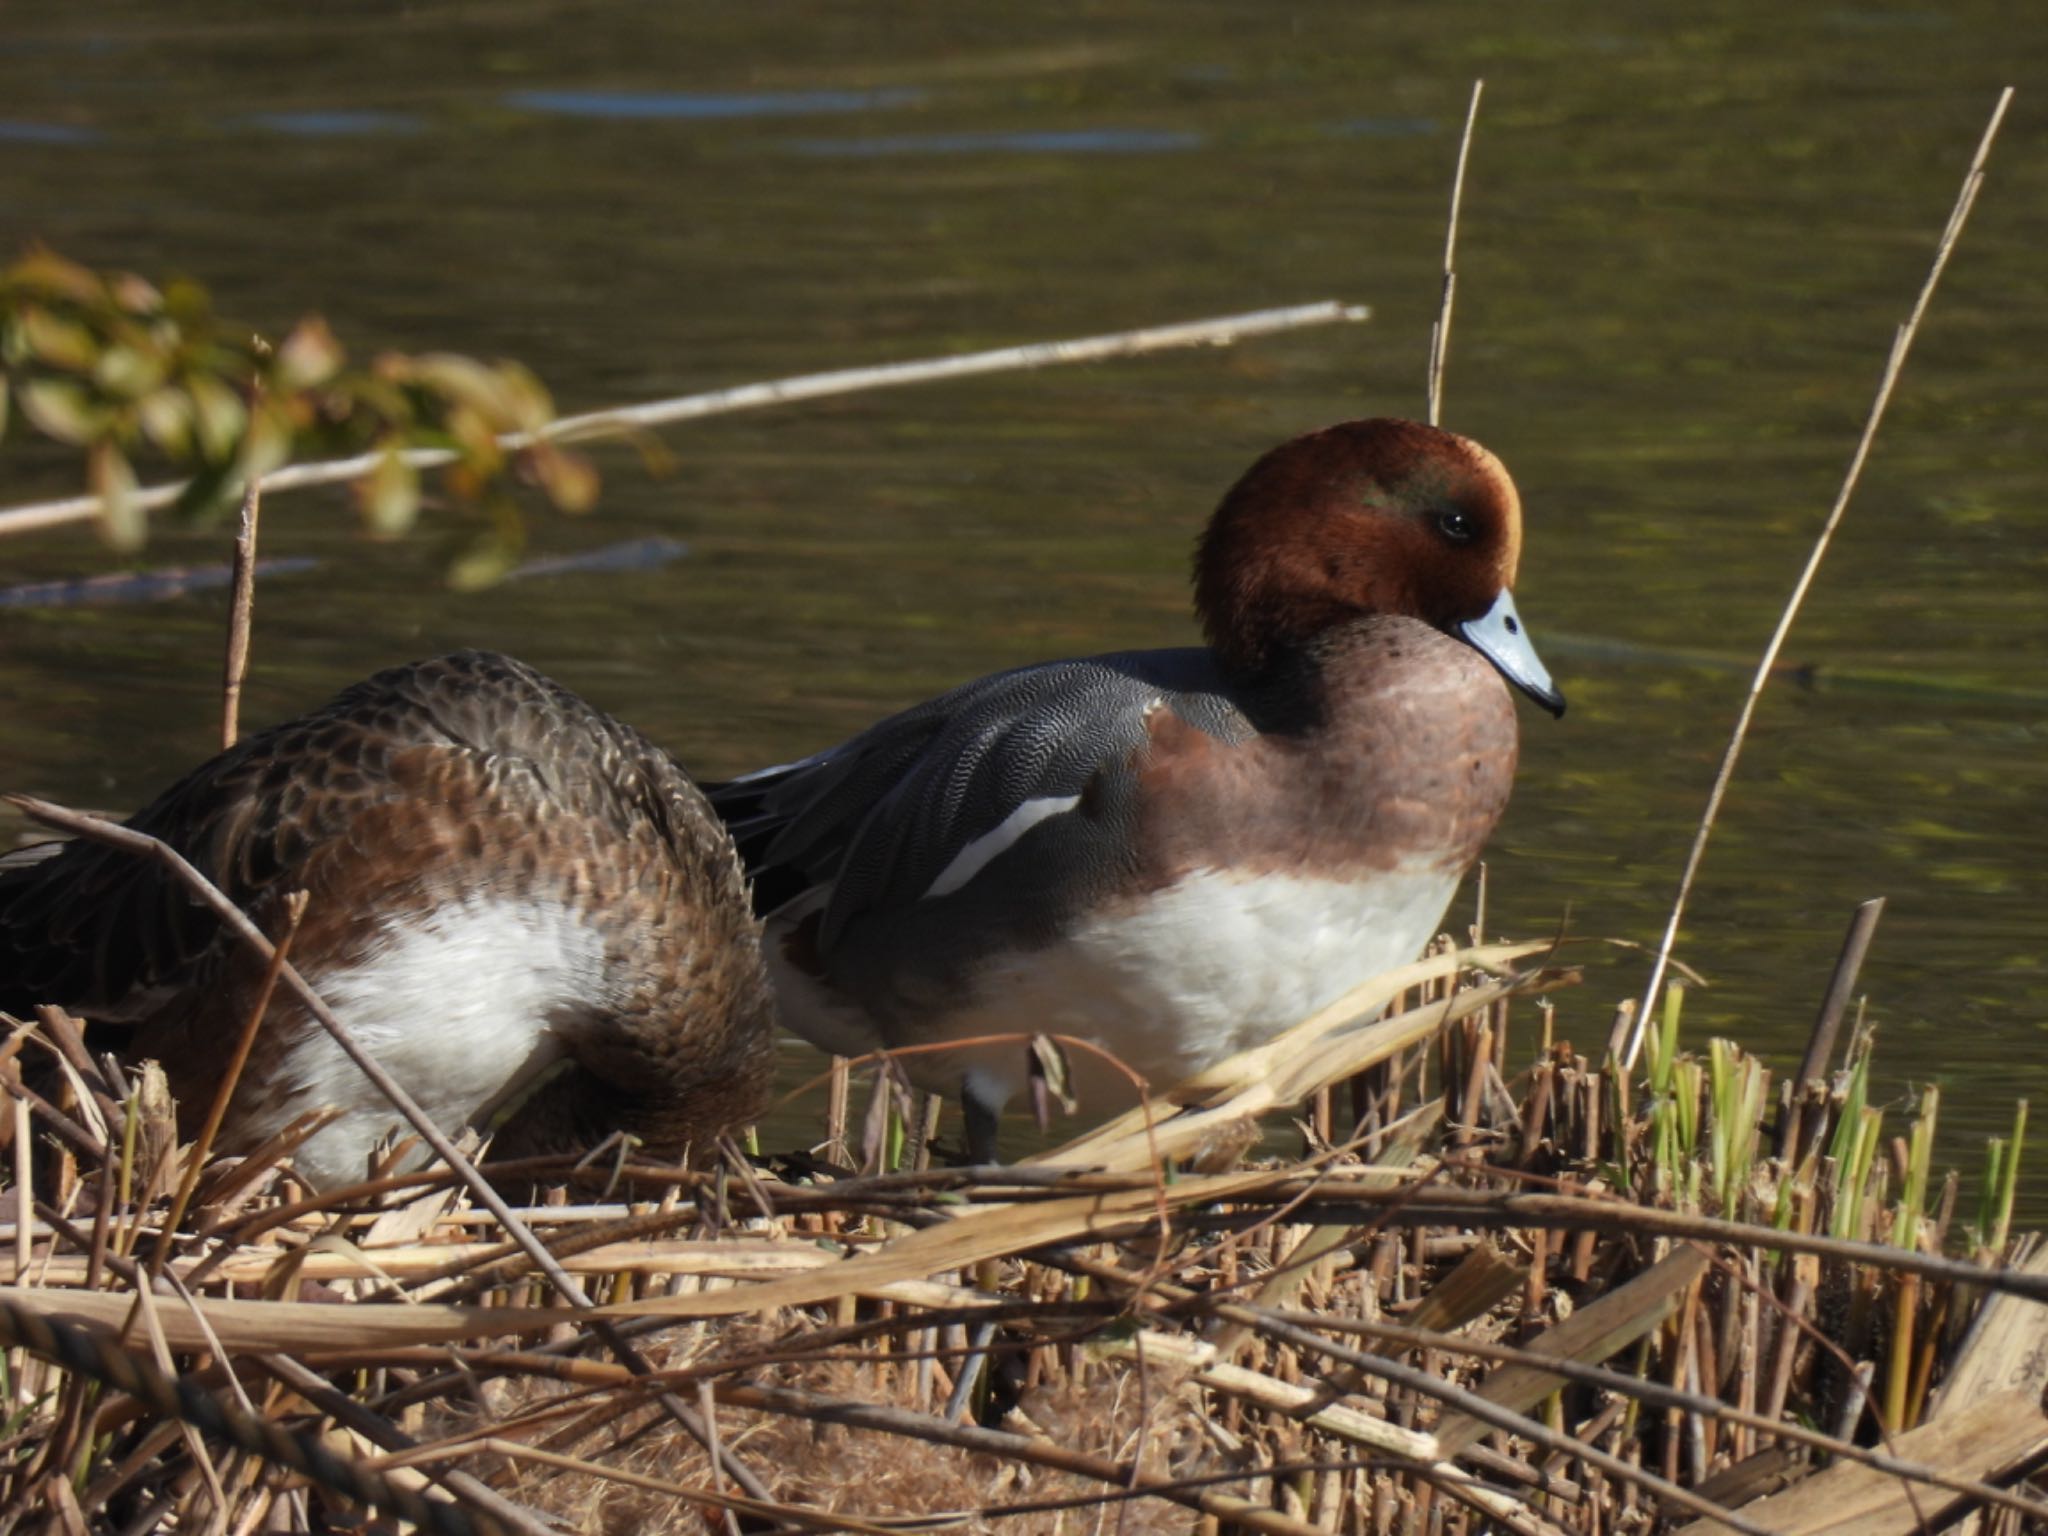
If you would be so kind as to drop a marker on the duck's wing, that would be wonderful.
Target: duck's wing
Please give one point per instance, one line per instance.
(927, 804)
(112, 934)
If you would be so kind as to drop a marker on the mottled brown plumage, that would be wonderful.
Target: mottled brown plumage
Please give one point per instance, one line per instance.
(501, 880)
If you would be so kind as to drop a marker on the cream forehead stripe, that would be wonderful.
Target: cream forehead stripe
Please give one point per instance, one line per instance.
(1490, 468)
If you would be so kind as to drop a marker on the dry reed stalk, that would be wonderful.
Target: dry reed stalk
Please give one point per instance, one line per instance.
(1902, 345)
(241, 616)
(1440, 337)
(216, 1113)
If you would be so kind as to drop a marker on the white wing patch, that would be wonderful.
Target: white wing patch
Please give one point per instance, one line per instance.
(975, 857)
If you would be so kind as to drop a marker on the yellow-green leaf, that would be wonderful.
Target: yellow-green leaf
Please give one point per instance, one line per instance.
(128, 372)
(390, 495)
(62, 410)
(266, 445)
(51, 275)
(570, 479)
(166, 417)
(187, 303)
(136, 295)
(466, 382)
(485, 561)
(309, 356)
(474, 440)
(123, 523)
(220, 415)
(528, 405)
(57, 340)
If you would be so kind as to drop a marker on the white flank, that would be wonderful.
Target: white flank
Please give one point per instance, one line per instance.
(1190, 975)
(455, 1004)
(971, 860)
(806, 1006)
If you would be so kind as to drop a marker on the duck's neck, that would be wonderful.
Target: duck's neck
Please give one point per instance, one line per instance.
(1348, 674)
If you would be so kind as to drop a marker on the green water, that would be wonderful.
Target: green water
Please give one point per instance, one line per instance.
(1686, 245)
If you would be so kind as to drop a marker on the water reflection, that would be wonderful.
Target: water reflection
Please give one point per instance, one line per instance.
(1078, 141)
(659, 106)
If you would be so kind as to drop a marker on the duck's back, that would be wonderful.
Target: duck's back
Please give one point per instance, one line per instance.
(499, 877)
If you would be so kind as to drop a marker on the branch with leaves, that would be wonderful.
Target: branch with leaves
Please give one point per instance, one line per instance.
(113, 365)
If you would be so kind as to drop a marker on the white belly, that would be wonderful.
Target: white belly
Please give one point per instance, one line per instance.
(455, 1005)
(1213, 966)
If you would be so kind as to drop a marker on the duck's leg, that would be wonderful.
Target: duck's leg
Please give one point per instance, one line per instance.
(983, 1117)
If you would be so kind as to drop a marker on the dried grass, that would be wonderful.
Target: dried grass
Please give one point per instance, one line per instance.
(1555, 1299)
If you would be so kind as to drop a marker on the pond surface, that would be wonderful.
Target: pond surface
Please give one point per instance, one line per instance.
(1684, 252)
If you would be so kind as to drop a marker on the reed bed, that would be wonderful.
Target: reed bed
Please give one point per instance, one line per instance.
(1502, 1285)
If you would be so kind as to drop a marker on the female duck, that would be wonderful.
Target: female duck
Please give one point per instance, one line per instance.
(1174, 854)
(514, 902)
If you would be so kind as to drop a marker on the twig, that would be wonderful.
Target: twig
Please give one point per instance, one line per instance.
(1440, 333)
(1221, 331)
(1902, 344)
(224, 1091)
(1335, 1201)
(240, 612)
(238, 923)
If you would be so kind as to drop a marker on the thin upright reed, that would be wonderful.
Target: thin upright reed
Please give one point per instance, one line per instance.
(1902, 344)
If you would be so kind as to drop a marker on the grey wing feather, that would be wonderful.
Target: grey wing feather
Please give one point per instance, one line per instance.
(882, 816)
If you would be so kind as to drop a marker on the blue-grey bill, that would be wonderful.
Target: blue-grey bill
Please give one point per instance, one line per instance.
(1497, 634)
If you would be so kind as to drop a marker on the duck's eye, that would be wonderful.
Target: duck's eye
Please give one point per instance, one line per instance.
(1455, 526)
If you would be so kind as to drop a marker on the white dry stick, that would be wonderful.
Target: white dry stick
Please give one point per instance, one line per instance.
(1902, 343)
(841, 381)
(1440, 333)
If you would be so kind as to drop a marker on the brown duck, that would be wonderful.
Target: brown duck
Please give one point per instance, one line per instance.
(515, 902)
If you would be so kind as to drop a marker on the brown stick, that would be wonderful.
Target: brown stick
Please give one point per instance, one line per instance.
(1820, 1046)
(240, 614)
(217, 1111)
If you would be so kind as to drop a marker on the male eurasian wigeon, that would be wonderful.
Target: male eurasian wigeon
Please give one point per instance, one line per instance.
(515, 902)
(1175, 853)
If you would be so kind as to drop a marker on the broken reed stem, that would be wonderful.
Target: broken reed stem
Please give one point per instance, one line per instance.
(1440, 333)
(381, 1432)
(1827, 1024)
(1216, 332)
(217, 1111)
(239, 924)
(1902, 344)
(241, 612)
(1656, 1394)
